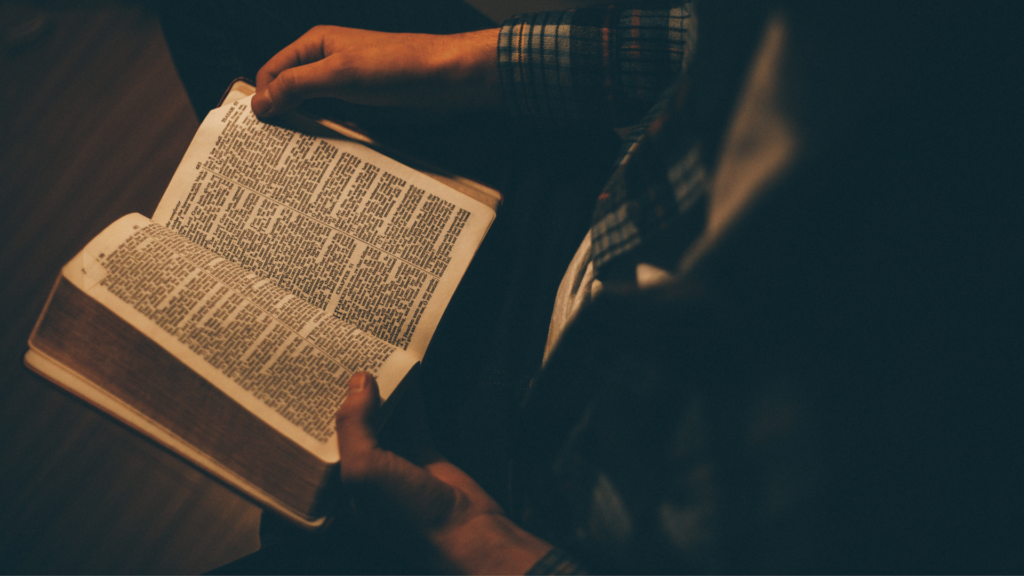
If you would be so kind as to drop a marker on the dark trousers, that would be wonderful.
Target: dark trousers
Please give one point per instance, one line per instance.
(491, 339)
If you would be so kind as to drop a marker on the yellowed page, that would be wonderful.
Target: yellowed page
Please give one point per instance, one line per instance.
(367, 239)
(279, 357)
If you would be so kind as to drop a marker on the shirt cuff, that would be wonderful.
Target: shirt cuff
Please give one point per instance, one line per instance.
(606, 64)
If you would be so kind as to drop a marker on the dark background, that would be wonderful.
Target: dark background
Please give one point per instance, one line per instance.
(94, 121)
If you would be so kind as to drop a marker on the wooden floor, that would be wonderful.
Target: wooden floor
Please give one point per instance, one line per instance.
(93, 121)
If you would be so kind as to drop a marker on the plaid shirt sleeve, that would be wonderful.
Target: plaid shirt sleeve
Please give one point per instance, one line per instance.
(605, 64)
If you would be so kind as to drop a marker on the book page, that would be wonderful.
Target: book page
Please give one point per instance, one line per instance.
(280, 357)
(363, 237)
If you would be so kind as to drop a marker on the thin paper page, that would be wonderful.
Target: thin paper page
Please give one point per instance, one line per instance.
(354, 233)
(281, 358)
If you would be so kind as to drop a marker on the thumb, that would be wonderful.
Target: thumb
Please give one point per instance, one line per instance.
(353, 419)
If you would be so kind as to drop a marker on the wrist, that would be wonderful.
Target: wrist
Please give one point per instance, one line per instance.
(491, 544)
(467, 63)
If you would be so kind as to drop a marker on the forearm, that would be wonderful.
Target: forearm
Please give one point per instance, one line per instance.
(467, 69)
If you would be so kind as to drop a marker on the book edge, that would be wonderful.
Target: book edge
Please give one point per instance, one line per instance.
(67, 379)
(94, 395)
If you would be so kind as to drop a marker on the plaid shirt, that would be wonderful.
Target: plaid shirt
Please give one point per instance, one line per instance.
(607, 64)
(611, 65)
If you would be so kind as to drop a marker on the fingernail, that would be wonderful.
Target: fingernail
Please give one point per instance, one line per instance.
(262, 103)
(358, 381)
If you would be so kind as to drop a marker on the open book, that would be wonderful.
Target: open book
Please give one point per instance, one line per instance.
(277, 264)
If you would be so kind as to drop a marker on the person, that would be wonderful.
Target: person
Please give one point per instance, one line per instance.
(788, 341)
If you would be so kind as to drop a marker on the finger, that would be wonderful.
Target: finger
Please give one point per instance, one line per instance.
(295, 85)
(307, 48)
(294, 74)
(352, 421)
(409, 492)
(407, 489)
(453, 476)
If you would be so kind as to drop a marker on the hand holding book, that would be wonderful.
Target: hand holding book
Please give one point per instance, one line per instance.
(466, 528)
(426, 71)
(277, 264)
